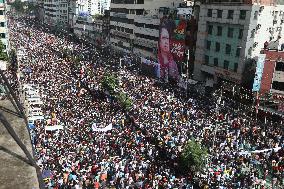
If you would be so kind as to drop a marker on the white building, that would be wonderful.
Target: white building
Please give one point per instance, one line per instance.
(56, 12)
(87, 26)
(134, 24)
(86, 8)
(231, 33)
(4, 34)
(92, 7)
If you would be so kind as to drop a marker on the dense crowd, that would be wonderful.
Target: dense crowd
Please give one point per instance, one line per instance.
(143, 148)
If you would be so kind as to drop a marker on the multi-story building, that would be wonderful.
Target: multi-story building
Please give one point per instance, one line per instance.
(3, 26)
(104, 6)
(272, 81)
(134, 24)
(85, 8)
(232, 32)
(94, 28)
(273, 72)
(93, 7)
(56, 12)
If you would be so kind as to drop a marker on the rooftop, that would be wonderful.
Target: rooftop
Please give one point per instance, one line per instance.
(15, 171)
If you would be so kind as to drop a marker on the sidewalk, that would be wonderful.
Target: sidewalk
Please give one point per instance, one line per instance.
(15, 172)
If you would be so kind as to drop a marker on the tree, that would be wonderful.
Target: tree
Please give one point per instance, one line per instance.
(3, 53)
(109, 83)
(18, 5)
(13, 58)
(194, 156)
(31, 7)
(249, 73)
(124, 100)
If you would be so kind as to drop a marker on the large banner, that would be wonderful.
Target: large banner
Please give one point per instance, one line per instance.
(258, 72)
(171, 47)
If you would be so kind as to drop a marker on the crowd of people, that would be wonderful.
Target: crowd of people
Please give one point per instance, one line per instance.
(143, 147)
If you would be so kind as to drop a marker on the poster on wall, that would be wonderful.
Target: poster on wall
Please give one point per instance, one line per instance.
(171, 47)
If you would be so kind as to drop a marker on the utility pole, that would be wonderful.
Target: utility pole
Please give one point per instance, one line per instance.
(187, 62)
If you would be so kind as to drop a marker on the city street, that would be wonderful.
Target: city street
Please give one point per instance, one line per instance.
(87, 139)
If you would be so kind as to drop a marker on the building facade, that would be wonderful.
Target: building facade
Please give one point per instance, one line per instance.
(230, 33)
(4, 34)
(134, 24)
(273, 73)
(95, 29)
(56, 12)
(92, 7)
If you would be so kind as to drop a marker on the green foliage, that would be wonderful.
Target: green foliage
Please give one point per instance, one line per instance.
(3, 54)
(194, 156)
(124, 101)
(12, 56)
(249, 73)
(31, 7)
(97, 17)
(18, 5)
(109, 83)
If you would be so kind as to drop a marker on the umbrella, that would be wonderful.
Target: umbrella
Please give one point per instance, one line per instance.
(46, 174)
(31, 126)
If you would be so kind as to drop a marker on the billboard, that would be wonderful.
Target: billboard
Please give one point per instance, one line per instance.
(258, 72)
(171, 47)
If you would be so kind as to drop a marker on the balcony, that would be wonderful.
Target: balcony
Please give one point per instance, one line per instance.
(144, 42)
(120, 34)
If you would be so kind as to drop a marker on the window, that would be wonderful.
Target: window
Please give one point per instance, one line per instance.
(255, 15)
(252, 34)
(219, 13)
(243, 14)
(3, 35)
(250, 51)
(228, 49)
(217, 47)
(230, 14)
(215, 61)
(2, 24)
(278, 85)
(210, 29)
(238, 52)
(206, 59)
(139, 11)
(226, 64)
(230, 32)
(236, 67)
(219, 30)
(279, 66)
(1, 12)
(208, 45)
(241, 31)
(209, 13)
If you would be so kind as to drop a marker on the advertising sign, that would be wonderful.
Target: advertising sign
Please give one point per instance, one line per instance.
(171, 47)
(258, 73)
